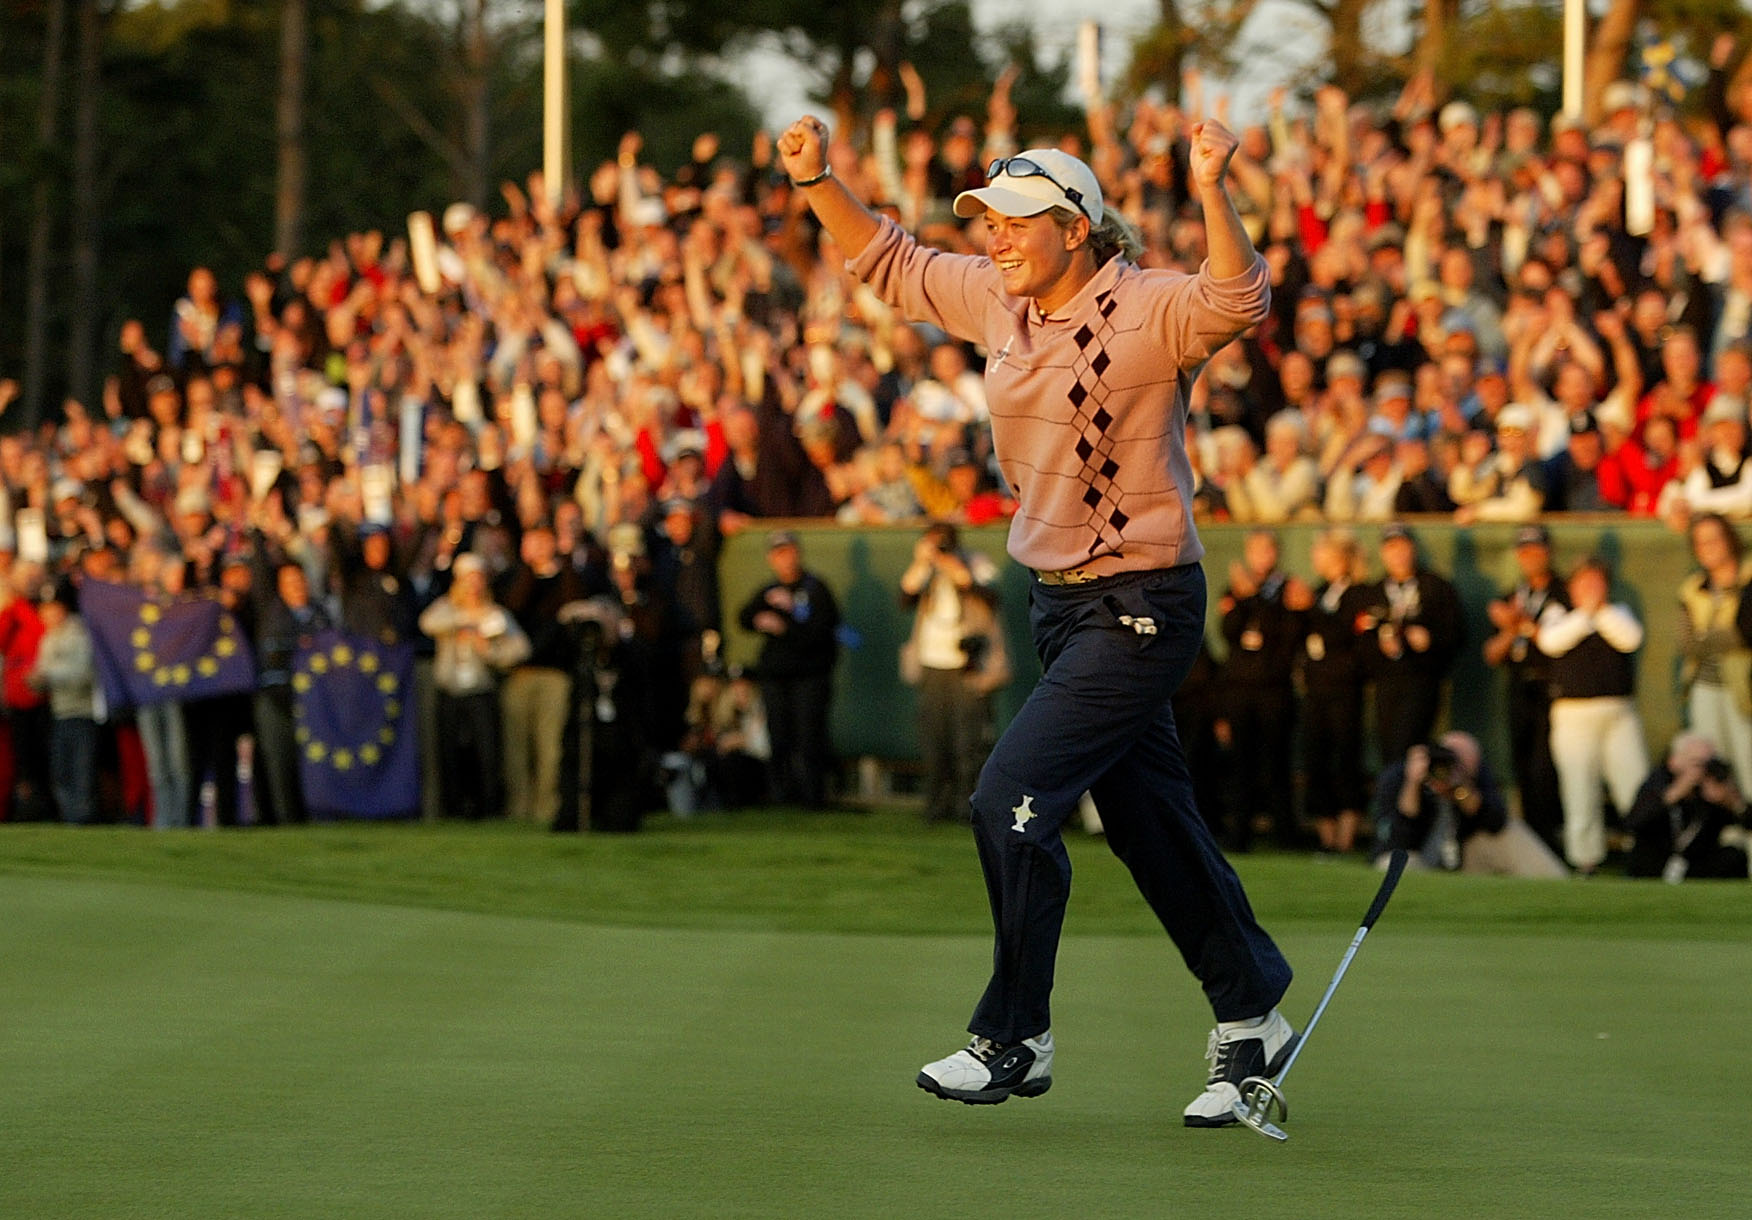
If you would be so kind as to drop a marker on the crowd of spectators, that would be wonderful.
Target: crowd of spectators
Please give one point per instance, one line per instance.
(1493, 316)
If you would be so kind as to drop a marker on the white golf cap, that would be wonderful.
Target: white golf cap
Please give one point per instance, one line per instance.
(1023, 193)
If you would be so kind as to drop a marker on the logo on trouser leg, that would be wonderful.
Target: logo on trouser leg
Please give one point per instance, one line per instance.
(1138, 623)
(1024, 814)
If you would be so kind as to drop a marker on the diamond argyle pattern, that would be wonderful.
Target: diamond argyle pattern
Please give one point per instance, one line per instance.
(1107, 519)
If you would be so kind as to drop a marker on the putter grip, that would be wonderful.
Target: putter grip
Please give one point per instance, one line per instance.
(1395, 866)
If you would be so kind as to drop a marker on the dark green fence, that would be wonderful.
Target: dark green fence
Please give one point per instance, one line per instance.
(874, 712)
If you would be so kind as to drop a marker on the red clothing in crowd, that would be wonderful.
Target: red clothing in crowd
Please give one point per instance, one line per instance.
(21, 630)
(1685, 413)
(1632, 478)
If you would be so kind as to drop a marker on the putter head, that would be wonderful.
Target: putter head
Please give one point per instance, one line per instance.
(1261, 1102)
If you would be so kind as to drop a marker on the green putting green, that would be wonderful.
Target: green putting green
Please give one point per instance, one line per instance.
(723, 1018)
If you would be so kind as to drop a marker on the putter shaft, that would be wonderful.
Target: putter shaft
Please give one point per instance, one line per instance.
(1257, 1094)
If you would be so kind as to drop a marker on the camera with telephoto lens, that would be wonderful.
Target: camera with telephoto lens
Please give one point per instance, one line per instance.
(1444, 763)
(1718, 770)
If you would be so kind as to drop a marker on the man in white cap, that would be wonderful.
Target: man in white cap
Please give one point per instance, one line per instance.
(1089, 355)
(1510, 484)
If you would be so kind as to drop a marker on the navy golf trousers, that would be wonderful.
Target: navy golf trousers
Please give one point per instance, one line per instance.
(1113, 651)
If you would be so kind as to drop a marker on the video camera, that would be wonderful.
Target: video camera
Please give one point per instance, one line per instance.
(1718, 770)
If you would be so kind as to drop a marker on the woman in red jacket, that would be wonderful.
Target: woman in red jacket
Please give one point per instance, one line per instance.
(1632, 475)
(25, 775)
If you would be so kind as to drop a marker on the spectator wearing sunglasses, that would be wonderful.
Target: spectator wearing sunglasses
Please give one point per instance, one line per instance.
(1088, 356)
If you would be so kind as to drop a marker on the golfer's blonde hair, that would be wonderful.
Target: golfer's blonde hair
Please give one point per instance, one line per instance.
(1114, 235)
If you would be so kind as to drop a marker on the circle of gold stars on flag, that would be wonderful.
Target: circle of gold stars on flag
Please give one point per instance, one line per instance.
(168, 674)
(346, 755)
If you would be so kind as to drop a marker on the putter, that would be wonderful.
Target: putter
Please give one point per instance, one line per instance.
(1262, 1105)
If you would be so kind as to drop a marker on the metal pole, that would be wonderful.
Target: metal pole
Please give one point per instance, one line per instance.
(1575, 47)
(555, 164)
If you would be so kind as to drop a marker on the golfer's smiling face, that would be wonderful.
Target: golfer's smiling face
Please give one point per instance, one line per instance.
(1036, 258)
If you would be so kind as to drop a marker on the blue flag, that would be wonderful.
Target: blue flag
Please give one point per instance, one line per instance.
(154, 649)
(354, 715)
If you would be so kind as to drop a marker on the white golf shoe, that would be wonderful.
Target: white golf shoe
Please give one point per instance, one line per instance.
(988, 1072)
(1237, 1050)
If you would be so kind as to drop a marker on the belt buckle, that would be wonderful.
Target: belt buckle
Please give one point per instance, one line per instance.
(1067, 576)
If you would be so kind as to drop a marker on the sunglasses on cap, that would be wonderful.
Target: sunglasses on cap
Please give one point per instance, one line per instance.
(1022, 167)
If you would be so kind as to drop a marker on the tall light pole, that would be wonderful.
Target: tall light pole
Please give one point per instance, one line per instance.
(556, 165)
(1575, 46)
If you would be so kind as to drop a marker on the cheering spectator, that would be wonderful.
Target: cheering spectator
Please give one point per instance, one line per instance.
(1411, 632)
(1516, 619)
(798, 620)
(1595, 731)
(1572, 477)
(478, 641)
(1263, 623)
(1716, 661)
(25, 796)
(535, 697)
(1332, 700)
(1508, 485)
(65, 669)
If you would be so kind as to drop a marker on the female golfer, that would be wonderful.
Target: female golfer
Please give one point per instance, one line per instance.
(1089, 361)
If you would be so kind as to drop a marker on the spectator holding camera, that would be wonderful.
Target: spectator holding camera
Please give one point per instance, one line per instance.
(1442, 804)
(956, 658)
(1689, 816)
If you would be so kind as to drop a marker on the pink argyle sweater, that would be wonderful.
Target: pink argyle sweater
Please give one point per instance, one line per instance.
(1088, 406)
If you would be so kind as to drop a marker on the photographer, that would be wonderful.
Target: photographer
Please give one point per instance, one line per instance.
(956, 658)
(1683, 813)
(1442, 804)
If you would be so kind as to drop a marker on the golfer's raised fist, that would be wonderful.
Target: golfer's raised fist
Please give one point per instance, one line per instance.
(803, 148)
(1212, 147)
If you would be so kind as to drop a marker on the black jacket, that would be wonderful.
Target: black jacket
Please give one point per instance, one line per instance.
(809, 644)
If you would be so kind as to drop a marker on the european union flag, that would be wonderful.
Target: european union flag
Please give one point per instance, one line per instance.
(154, 649)
(354, 717)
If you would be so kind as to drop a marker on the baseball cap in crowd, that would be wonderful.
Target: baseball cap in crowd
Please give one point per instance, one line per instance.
(1032, 181)
(1516, 416)
(1455, 114)
(1396, 529)
(1725, 407)
(1390, 385)
(1533, 535)
(687, 441)
(1582, 423)
(779, 538)
(960, 456)
(676, 504)
(1346, 364)
(161, 383)
(468, 561)
(1490, 366)
(66, 488)
(1619, 95)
